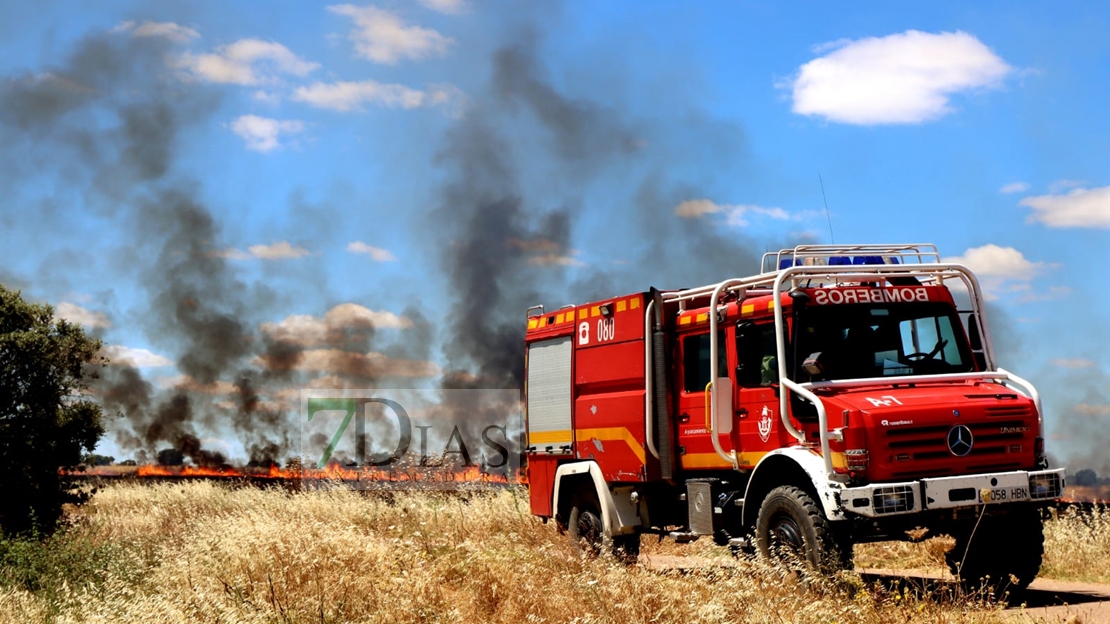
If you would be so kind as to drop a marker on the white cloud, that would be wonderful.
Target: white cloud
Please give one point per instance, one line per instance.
(263, 134)
(737, 214)
(546, 252)
(308, 330)
(999, 262)
(382, 37)
(246, 62)
(377, 254)
(277, 251)
(1059, 186)
(230, 254)
(1014, 187)
(185, 382)
(1081, 208)
(1072, 363)
(694, 208)
(1087, 409)
(1042, 294)
(266, 97)
(450, 7)
(138, 358)
(897, 79)
(557, 259)
(349, 363)
(167, 30)
(354, 96)
(80, 316)
(1005, 271)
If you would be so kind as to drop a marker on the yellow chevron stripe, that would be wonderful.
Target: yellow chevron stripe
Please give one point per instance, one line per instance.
(536, 438)
(613, 434)
(713, 460)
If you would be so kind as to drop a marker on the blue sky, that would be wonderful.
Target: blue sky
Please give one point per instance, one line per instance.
(323, 140)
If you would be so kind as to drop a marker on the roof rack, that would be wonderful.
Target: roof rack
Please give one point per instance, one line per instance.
(834, 255)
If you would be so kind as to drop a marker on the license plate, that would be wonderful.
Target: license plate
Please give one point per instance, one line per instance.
(1003, 495)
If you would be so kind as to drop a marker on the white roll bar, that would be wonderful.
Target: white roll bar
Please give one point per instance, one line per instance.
(715, 374)
(919, 260)
(649, 374)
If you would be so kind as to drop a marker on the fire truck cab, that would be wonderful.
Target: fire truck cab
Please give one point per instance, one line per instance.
(844, 394)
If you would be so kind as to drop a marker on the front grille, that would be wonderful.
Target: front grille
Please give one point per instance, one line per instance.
(930, 442)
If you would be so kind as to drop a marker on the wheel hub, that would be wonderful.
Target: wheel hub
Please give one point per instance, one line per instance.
(588, 528)
(786, 534)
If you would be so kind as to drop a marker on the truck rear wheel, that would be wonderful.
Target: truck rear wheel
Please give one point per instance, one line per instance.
(792, 528)
(585, 528)
(587, 532)
(1004, 554)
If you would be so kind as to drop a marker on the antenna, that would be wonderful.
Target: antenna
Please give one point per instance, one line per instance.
(832, 239)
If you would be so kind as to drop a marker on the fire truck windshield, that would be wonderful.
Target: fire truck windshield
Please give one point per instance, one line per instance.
(837, 342)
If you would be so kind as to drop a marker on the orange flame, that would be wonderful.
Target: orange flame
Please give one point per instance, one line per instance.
(1097, 494)
(331, 472)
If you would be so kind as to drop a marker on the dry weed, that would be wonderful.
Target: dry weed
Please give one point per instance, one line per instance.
(207, 553)
(927, 555)
(1077, 545)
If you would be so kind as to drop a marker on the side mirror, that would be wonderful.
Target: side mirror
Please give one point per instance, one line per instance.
(800, 298)
(814, 365)
(722, 420)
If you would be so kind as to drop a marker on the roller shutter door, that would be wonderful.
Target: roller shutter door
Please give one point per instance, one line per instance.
(549, 401)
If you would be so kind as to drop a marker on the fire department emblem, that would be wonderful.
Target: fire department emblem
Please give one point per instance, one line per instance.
(765, 421)
(584, 333)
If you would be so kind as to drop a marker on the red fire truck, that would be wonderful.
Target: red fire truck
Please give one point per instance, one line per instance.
(845, 394)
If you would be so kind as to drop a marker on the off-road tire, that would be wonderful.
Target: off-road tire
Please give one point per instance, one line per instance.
(586, 531)
(1003, 556)
(792, 529)
(626, 548)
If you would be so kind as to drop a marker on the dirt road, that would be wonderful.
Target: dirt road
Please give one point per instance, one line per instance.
(1046, 600)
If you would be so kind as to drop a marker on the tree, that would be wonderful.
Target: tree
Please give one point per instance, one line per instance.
(47, 423)
(1086, 477)
(170, 457)
(92, 459)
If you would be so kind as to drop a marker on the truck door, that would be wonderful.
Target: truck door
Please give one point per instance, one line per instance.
(759, 425)
(696, 449)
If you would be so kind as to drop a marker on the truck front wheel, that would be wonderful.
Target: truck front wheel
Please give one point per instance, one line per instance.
(791, 528)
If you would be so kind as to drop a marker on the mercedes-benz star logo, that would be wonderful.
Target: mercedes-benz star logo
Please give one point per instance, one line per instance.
(960, 440)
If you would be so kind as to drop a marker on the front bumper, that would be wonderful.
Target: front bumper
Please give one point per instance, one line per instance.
(890, 499)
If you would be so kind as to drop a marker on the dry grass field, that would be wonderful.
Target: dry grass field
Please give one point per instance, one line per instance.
(206, 552)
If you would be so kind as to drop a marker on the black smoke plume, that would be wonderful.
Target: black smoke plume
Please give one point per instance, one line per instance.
(522, 163)
(506, 246)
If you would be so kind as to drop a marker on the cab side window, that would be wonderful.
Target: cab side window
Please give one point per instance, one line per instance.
(695, 361)
(757, 353)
